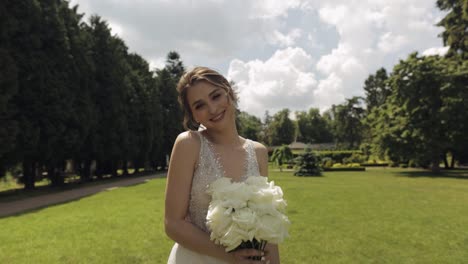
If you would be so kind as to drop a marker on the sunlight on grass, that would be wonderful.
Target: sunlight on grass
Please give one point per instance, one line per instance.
(378, 216)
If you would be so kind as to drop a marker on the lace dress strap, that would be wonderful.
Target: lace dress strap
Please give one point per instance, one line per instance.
(252, 163)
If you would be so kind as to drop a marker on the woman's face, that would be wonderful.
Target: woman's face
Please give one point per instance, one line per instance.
(210, 105)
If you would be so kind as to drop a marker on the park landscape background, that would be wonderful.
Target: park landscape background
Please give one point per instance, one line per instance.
(382, 215)
(77, 108)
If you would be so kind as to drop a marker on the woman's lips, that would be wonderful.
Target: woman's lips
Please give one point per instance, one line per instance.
(218, 117)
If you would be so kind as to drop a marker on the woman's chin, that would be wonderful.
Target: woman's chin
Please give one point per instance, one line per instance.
(222, 124)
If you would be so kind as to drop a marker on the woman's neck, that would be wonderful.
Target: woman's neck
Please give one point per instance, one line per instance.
(229, 137)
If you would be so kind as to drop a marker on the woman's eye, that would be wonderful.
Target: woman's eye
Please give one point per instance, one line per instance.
(216, 96)
(198, 106)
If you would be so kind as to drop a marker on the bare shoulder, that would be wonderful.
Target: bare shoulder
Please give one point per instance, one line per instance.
(261, 152)
(188, 139)
(260, 149)
(262, 157)
(187, 145)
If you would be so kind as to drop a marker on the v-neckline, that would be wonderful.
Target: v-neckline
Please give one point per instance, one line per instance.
(219, 164)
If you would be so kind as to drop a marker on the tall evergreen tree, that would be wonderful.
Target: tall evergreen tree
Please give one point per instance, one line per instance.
(171, 114)
(282, 128)
(8, 88)
(265, 134)
(175, 65)
(249, 126)
(347, 122)
(56, 134)
(83, 120)
(312, 127)
(26, 43)
(111, 80)
(456, 26)
(413, 123)
(376, 89)
(141, 112)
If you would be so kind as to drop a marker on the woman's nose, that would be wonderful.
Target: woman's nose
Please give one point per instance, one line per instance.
(212, 108)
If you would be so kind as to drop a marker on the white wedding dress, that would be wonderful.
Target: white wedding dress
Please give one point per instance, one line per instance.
(207, 170)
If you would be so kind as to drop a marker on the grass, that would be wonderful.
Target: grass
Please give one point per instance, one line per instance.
(10, 190)
(379, 216)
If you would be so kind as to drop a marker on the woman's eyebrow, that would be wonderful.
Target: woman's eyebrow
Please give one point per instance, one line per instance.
(210, 94)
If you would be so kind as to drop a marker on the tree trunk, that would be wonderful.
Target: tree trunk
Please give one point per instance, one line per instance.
(435, 164)
(2, 170)
(113, 168)
(125, 168)
(86, 172)
(55, 175)
(446, 165)
(29, 174)
(99, 169)
(452, 162)
(147, 166)
(136, 164)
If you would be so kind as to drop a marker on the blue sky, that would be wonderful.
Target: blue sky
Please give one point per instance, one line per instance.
(293, 54)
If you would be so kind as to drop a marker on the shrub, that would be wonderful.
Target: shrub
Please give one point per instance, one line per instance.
(327, 162)
(308, 164)
(345, 167)
(337, 155)
(355, 158)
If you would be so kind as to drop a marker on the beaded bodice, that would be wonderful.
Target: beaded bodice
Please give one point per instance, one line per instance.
(209, 169)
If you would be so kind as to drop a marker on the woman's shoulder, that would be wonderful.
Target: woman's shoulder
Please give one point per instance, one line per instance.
(188, 140)
(259, 148)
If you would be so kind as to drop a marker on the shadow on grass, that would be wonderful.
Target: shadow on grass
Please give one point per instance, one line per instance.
(95, 191)
(72, 198)
(12, 195)
(452, 174)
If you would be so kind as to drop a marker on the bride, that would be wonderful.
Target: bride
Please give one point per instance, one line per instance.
(200, 156)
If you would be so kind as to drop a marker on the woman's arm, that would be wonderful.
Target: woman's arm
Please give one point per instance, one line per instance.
(179, 180)
(271, 250)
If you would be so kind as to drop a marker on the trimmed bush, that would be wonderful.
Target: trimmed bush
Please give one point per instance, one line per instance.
(345, 169)
(308, 164)
(374, 164)
(338, 156)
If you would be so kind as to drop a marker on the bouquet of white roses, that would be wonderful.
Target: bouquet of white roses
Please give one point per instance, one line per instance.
(246, 214)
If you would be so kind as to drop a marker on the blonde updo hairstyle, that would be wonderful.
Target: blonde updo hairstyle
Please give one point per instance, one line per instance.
(194, 76)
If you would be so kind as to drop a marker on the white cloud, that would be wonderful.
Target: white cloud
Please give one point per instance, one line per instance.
(157, 63)
(390, 42)
(283, 81)
(273, 8)
(296, 54)
(330, 91)
(435, 51)
(284, 40)
(116, 29)
(372, 34)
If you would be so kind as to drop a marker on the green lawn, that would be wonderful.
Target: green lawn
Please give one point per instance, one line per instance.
(378, 216)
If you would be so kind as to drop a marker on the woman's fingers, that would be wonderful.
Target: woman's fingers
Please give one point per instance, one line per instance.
(244, 256)
(250, 252)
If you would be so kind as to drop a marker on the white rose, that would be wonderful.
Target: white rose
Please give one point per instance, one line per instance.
(234, 237)
(218, 187)
(218, 219)
(258, 181)
(273, 229)
(245, 218)
(236, 196)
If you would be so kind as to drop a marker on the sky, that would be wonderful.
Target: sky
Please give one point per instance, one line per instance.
(294, 54)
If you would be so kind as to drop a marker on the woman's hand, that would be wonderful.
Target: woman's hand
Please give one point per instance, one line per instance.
(241, 256)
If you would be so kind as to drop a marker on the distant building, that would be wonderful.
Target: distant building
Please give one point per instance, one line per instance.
(317, 146)
(296, 145)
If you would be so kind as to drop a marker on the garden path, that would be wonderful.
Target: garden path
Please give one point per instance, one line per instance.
(32, 203)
